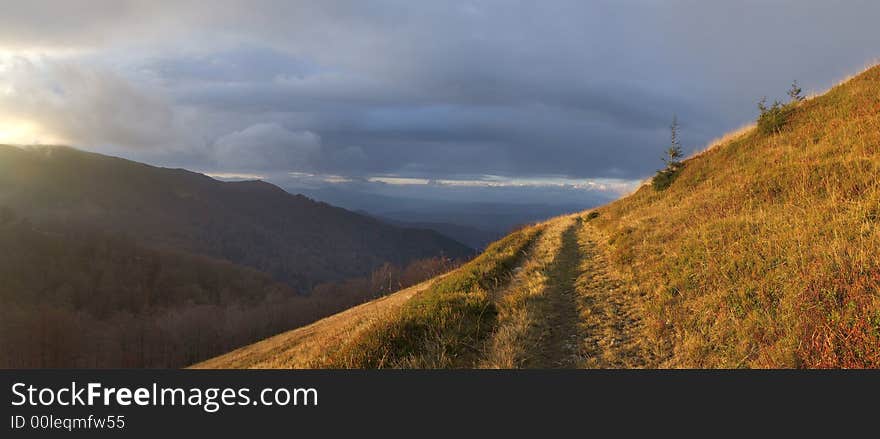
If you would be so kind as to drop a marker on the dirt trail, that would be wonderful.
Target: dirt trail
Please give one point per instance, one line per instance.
(609, 312)
(560, 348)
(299, 348)
(572, 311)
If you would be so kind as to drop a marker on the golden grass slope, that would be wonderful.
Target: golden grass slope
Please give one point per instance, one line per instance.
(766, 250)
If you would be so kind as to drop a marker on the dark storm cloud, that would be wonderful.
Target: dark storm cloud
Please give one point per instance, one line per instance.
(582, 89)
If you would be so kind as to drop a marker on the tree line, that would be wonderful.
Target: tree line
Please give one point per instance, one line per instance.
(75, 297)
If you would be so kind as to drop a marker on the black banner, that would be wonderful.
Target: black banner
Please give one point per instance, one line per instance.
(148, 403)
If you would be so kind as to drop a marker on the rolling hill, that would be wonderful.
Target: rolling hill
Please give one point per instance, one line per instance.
(762, 253)
(298, 241)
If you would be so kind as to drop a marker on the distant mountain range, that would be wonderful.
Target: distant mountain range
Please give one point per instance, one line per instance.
(471, 236)
(473, 223)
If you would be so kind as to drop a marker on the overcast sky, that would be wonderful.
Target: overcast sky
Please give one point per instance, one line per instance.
(574, 95)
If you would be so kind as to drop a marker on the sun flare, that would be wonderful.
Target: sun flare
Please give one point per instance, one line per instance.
(24, 132)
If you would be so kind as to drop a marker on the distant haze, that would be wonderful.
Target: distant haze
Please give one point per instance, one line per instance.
(559, 102)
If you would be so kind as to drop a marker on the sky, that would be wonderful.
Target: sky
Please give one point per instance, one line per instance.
(513, 100)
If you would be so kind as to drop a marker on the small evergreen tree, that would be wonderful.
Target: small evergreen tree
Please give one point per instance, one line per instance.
(795, 92)
(762, 105)
(673, 162)
(674, 152)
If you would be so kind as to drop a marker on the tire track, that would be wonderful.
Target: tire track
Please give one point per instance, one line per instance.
(609, 312)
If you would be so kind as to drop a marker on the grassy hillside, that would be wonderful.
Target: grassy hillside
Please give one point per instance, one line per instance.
(763, 252)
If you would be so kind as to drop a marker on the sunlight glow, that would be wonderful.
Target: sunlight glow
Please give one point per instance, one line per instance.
(24, 132)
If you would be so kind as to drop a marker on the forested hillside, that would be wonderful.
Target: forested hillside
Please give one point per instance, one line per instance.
(297, 240)
(75, 297)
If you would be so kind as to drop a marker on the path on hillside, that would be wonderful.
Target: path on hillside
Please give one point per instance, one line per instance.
(609, 312)
(565, 308)
(589, 318)
(299, 348)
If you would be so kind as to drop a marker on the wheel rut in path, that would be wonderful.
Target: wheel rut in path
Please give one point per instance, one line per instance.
(561, 347)
(610, 315)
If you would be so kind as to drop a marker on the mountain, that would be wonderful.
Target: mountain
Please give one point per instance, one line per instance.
(470, 236)
(295, 239)
(500, 218)
(106, 262)
(761, 252)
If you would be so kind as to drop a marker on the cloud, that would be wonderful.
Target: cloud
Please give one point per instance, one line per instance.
(426, 90)
(247, 64)
(267, 146)
(84, 105)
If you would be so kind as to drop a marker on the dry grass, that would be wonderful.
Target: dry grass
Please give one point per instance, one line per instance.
(764, 253)
(727, 138)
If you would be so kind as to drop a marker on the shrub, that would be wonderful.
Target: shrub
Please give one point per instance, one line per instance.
(592, 215)
(775, 117)
(664, 178)
(772, 118)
